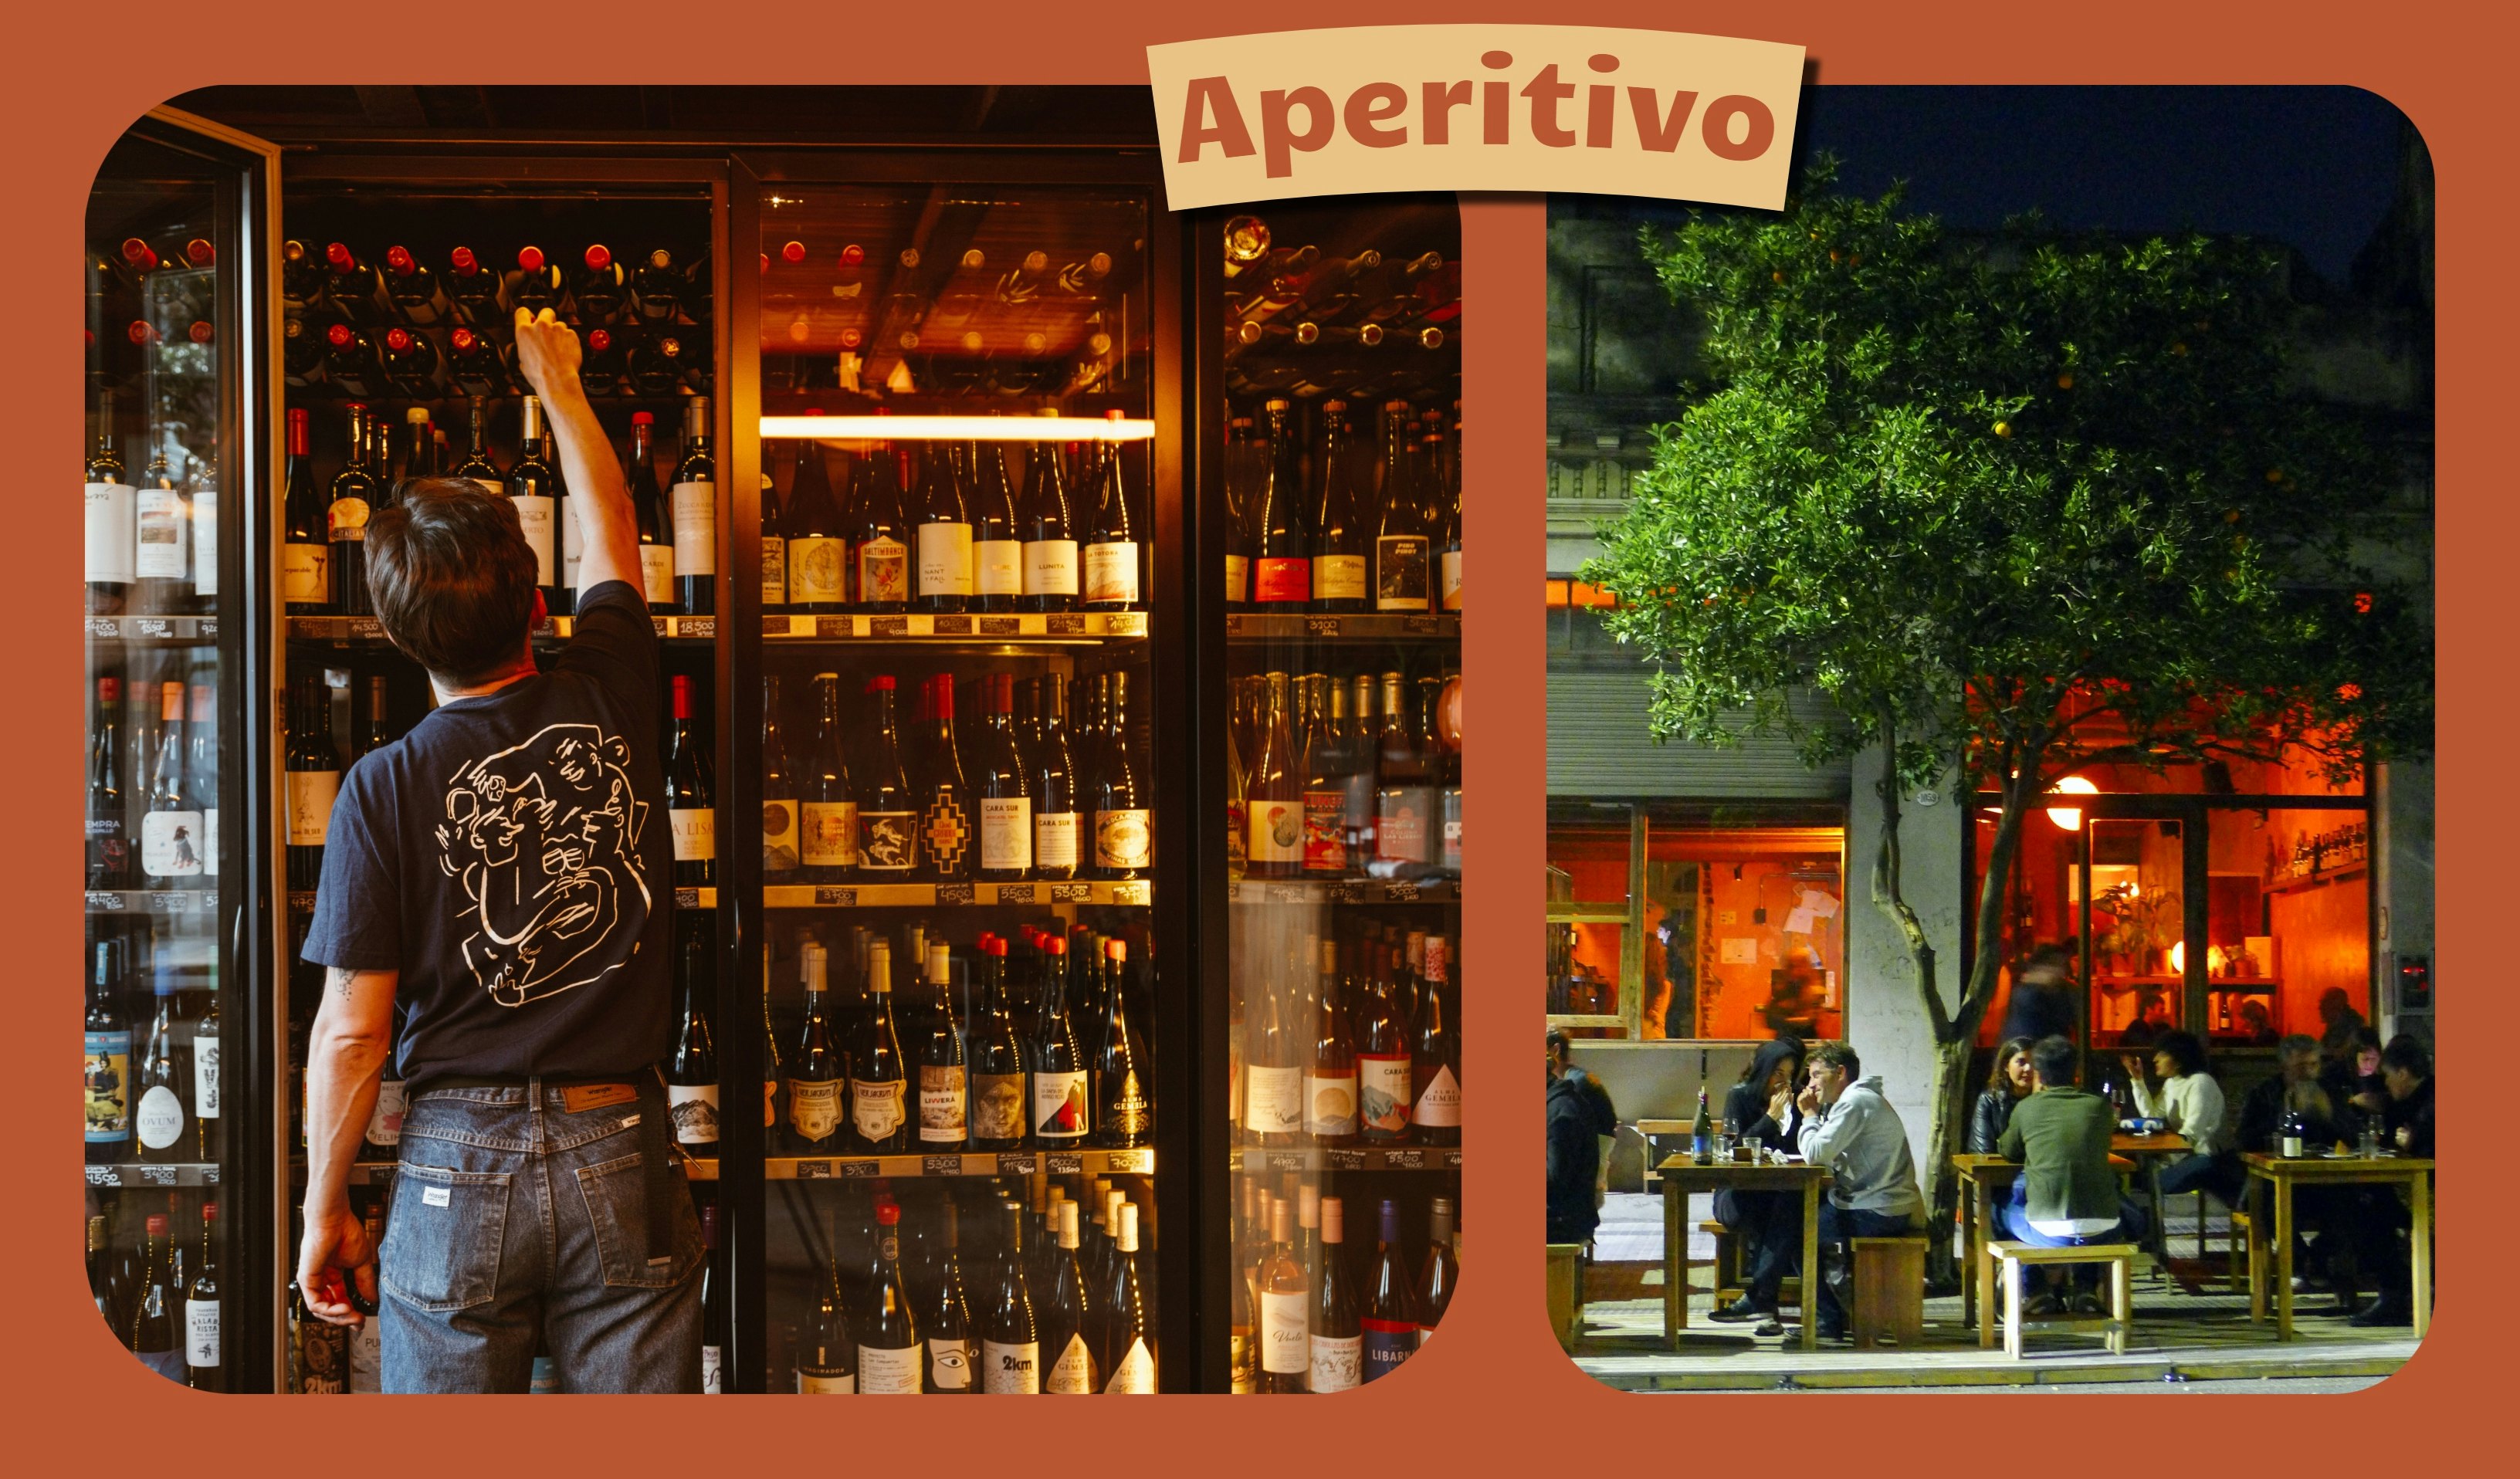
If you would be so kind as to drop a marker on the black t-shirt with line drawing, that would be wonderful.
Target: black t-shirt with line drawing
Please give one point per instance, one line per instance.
(511, 857)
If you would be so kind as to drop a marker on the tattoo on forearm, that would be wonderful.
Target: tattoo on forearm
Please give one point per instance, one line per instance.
(340, 980)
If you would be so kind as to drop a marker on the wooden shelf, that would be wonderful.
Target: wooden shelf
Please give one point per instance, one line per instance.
(2346, 874)
(1129, 893)
(1258, 627)
(1301, 892)
(1358, 1159)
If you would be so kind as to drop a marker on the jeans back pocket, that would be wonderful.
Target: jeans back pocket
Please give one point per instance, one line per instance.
(616, 1209)
(443, 1238)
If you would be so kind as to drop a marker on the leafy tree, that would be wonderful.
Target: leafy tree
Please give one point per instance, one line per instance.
(2020, 505)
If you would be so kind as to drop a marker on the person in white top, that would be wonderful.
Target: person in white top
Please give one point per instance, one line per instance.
(2189, 1103)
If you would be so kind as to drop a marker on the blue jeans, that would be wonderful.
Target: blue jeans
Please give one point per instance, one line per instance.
(2015, 1223)
(514, 1218)
(2217, 1174)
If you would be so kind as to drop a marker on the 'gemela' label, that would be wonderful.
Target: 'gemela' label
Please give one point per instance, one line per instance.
(1545, 109)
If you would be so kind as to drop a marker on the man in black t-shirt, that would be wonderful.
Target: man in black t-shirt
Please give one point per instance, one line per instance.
(498, 882)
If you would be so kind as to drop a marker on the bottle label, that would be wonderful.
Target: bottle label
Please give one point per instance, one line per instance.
(944, 560)
(694, 1107)
(1400, 573)
(1054, 839)
(205, 1075)
(1049, 567)
(385, 1122)
(814, 1107)
(695, 834)
(997, 1107)
(205, 543)
(1124, 839)
(1006, 834)
(163, 527)
(883, 572)
(1337, 1363)
(159, 1120)
(712, 1368)
(1072, 1373)
(1285, 1334)
(1440, 1103)
(877, 1109)
(108, 1075)
(1400, 823)
(773, 570)
(2292, 1147)
(818, 571)
(534, 515)
(1010, 1370)
(949, 1365)
(1452, 580)
(1134, 1375)
(769, 1102)
(311, 794)
(1387, 1344)
(1273, 1099)
(112, 536)
(307, 572)
(170, 843)
(999, 566)
(346, 520)
(656, 573)
(947, 831)
(942, 1104)
(1127, 1111)
(201, 1333)
(1112, 573)
(1338, 577)
(1330, 1102)
(823, 1383)
(1276, 831)
(1383, 1096)
(1452, 828)
(1288, 577)
(883, 1372)
(830, 833)
(695, 528)
(1325, 831)
(1058, 1110)
(1240, 1354)
(1238, 578)
(885, 840)
(1238, 833)
(780, 838)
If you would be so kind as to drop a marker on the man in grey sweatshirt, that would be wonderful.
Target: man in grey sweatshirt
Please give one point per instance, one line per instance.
(1849, 1127)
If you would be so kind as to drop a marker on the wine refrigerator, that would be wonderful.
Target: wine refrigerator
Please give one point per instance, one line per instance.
(1058, 602)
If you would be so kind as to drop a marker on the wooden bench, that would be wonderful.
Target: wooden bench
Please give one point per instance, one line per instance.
(2244, 1236)
(1889, 1291)
(1565, 1290)
(2015, 1258)
(1728, 1285)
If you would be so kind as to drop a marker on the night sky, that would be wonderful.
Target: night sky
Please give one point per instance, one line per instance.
(2315, 167)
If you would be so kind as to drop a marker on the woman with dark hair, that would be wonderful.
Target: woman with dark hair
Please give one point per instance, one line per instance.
(2189, 1103)
(2007, 1082)
(2354, 1078)
(1769, 1224)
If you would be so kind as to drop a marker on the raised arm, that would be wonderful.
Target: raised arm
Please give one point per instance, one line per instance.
(547, 354)
(346, 1058)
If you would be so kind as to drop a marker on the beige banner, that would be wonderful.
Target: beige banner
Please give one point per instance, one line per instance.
(1502, 107)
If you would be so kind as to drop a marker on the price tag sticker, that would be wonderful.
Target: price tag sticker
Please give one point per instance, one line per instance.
(208, 629)
(104, 901)
(940, 1165)
(1138, 891)
(661, 624)
(860, 1170)
(110, 630)
(1399, 892)
(777, 626)
(102, 1176)
(1071, 893)
(1000, 626)
(1321, 626)
(1059, 1164)
(1233, 1160)
(951, 626)
(1404, 1160)
(303, 900)
(686, 898)
(152, 626)
(159, 1175)
(1017, 893)
(379, 1173)
(1421, 626)
(1452, 1160)
(1133, 1162)
(1232, 626)
(1287, 1160)
(1343, 1160)
(703, 627)
(887, 626)
(366, 629)
(813, 1170)
(547, 627)
(1234, 893)
(846, 898)
(953, 893)
(1127, 624)
(1347, 891)
(1290, 893)
(835, 626)
(1063, 624)
(1017, 1164)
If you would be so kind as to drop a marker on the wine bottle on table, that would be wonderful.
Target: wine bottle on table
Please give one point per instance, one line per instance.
(1109, 548)
(1058, 1114)
(1330, 1080)
(1436, 1072)
(1342, 546)
(311, 777)
(945, 1310)
(1005, 790)
(1336, 1339)
(1282, 569)
(107, 1069)
(782, 837)
(1124, 833)
(1048, 529)
(1701, 1131)
(691, 1069)
(695, 514)
(656, 525)
(1286, 1308)
(878, 1088)
(691, 794)
(889, 1353)
(712, 1307)
(944, 1068)
(882, 531)
(820, 1074)
(1388, 1323)
(352, 498)
(944, 574)
(1402, 544)
(1069, 1317)
(204, 1371)
(306, 545)
(997, 543)
(997, 1061)
(1441, 1273)
(826, 1358)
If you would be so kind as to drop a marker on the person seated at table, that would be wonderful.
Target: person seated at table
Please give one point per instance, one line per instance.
(2189, 1103)
(2380, 1217)
(2066, 1196)
(2257, 1029)
(2007, 1083)
(2338, 1019)
(1767, 1225)
(2296, 1089)
(2042, 1003)
(2151, 1021)
(1574, 1155)
(1597, 1103)
(1849, 1127)
(2354, 1079)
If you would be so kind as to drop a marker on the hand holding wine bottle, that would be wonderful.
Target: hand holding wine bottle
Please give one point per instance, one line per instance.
(548, 357)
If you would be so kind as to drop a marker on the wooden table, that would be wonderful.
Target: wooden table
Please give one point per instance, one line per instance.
(1681, 1176)
(1982, 1179)
(2151, 1152)
(2281, 1176)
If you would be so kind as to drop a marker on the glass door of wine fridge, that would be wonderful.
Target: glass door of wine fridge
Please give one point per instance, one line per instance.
(1331, 339)
(962, 914)
(178, 443)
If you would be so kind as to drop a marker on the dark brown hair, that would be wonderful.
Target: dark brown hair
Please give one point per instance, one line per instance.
(1996, 1078)
(452, 577)
(1839, 1058)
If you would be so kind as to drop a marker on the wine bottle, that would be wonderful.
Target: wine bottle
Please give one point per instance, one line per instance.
(1123, 1105)
(657, 286)
(1383, 1066)
(878, 1088)
(104, 1283)
(1436, 1071)
(781, 837)
(656, 566)
(945, 1311)
(204, 1370)
(815, 1083)
(888, 1348)
(815, 554)
(691, 794)
(1059, 1114)
(1448, 541)
(1286, 1308)
(202, 768)
(532, 486)
(1336, 1338)
(1342, 547)
(1330, 1080)
(160, 1123)
(410, 366)
(106, 1073)
(305, 551)
(476, 465)
(472, 290)
(823, 840)
(164, 519)
(713, 1318)
(773, 1113)
(695, 514)
(111, 530)
(375, 733)
(1388, 1324)
(1273, 803)
(1701, 1133)
(882, 531)
(888, 814)
(1282, 573)
(1068, 1317)
(153, 1336)
(382, 1140)
(1005, 790)
(945, 822)
(354, 495)
(944, 1073)
(1240, 498)
(945, 580)
(356, 287)
(827, 1359)
(1124, 833)
(1274, 1057)
(311, 779)
(1402, 545)
(997, 543)
(1048, 529)
(1404, 799)
(1009, 1337)
(1126, 1355)
(691, 1069)
(1441, 1273)
(170, 831)
(598, 287)
(1109, 549)
(109, 845)
(997, 1059)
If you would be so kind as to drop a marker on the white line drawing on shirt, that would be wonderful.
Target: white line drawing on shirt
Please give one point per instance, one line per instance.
(545, 837)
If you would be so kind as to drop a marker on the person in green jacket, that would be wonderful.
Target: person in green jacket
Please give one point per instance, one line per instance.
(2066, 1196)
